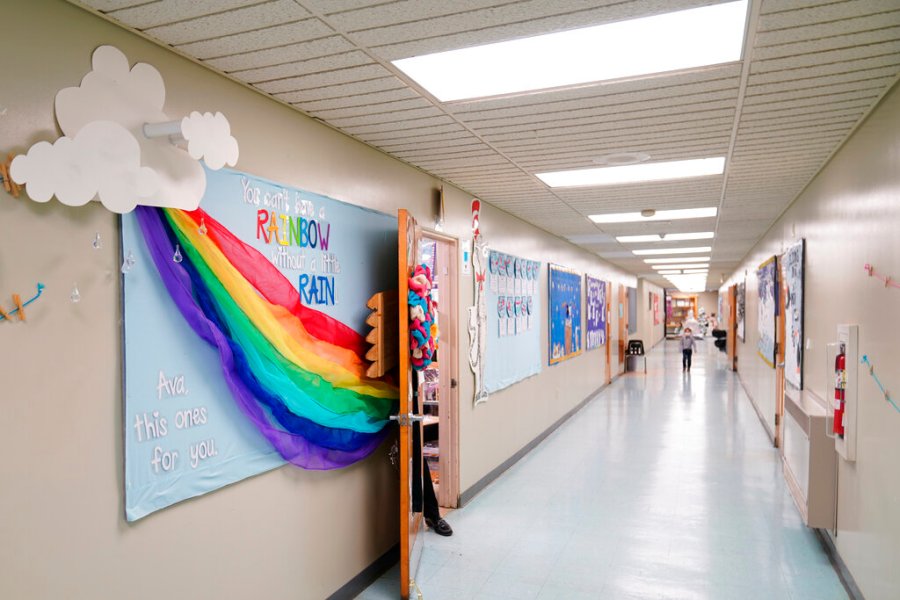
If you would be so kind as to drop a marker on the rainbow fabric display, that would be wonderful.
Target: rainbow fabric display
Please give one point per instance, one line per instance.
(295, 372)
(422, 329)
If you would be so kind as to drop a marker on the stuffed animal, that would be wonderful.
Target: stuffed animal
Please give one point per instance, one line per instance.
(422, 328)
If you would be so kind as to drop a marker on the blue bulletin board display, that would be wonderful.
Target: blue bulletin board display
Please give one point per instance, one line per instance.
(565, 313)
(184, 435)
(513, 331)
(595, 330)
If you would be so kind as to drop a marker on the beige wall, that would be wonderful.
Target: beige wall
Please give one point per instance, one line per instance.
(648, 332)
(288, 533)
(849, 216)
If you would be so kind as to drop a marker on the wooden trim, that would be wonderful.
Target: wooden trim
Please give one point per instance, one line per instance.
(406, 236)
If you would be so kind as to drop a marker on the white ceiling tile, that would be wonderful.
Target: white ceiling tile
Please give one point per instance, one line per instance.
(281, 54)
(164, 12)
(229, 22)
(257, 39)
(304, 67)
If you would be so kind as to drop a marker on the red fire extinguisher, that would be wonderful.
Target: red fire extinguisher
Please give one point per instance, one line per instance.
(840, 383)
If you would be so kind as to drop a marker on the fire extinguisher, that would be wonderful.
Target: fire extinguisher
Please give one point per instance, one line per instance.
(840, 383)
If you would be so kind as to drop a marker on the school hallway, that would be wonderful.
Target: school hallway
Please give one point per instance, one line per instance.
(664, 485)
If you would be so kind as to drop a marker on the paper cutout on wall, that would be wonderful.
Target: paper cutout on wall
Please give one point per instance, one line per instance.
(477, 325)
(105, 152)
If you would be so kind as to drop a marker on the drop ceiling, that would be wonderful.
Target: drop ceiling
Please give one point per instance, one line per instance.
(811, 71)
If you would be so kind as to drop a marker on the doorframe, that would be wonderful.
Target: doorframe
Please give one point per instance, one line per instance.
(448, 433)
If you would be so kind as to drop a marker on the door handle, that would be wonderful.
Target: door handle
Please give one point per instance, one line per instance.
(452, 383)
(405, 419)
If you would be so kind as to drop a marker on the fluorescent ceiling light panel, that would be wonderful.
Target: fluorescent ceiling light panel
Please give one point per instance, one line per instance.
(640, 173)
(689, 271)
(652, 251)
(675, 272)
(660, 215)
(669, 237)
(677, 259)
(678, 40)
(678, 266)
(681, 237)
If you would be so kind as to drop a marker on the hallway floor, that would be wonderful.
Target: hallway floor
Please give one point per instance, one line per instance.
(663, 486)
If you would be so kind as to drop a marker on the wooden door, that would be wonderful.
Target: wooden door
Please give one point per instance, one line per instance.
(623, 326)
(779, 355)
(608, 295)
(731, 326)
(411, 518)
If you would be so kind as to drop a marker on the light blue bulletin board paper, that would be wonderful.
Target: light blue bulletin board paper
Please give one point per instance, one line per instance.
(184, 434)
(513, 340)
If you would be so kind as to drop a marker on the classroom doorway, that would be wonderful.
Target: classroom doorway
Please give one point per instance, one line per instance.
(428, 415)
(439, 386)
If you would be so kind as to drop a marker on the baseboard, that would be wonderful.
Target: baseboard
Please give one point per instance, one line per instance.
(839, 565)
(485, 481)
(367, 576)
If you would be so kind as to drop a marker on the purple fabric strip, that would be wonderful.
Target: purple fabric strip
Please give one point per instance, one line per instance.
(294, 448)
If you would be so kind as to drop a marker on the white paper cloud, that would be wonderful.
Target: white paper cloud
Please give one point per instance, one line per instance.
(209, 138)
(103, 160)
(129, 97)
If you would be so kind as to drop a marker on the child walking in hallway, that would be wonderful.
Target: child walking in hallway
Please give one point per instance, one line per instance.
(687, 349)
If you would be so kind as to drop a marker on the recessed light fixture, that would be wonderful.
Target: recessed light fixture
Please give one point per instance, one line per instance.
(691, 271)
(642, 173)
(661, 215)
(678, 266)
(677, 259)
(652, 251)
(686, 39)
(619, 159)
(675, 272)
(669, 237)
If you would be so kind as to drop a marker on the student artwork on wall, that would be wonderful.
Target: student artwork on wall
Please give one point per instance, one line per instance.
(243, 326)
(768, 295)
(792, 274)
(741, 309)
(513, 331)
(565, 313)
(595, 299)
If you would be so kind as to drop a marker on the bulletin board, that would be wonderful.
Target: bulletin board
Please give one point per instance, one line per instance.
(564, 313)
(792, 274)
(595, 299)
(767, 278)
(513, 330)
(184, 432)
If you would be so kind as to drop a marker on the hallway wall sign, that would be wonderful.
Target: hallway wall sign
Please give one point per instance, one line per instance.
(741, 308)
